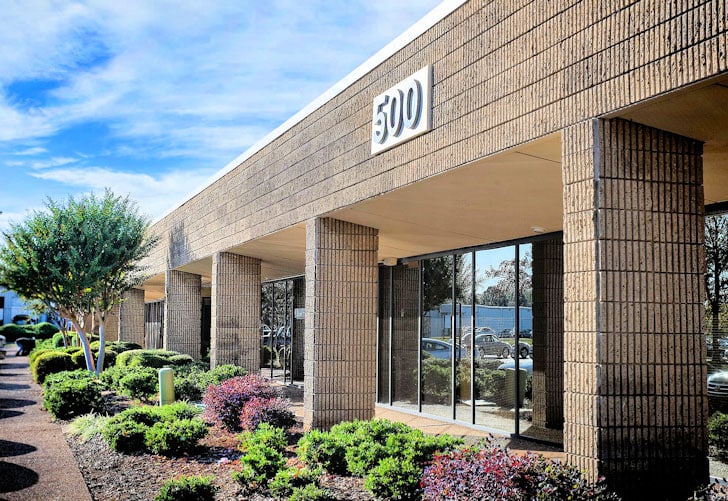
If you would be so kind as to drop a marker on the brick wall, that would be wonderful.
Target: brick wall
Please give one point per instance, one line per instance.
(183, 313)
(505, 72)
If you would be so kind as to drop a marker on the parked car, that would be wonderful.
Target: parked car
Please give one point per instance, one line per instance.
(527, 333)
(526, 364)
(506, 333)
(22, 319)
(440, 349)
(525, 350)
(281, 338)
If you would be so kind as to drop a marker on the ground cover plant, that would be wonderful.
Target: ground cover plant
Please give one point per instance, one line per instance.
(192, 488)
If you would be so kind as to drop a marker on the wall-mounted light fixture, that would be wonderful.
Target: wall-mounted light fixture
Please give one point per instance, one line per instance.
(389, 261)
(538, 229)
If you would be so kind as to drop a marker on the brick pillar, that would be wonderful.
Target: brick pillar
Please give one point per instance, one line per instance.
(183, 313)
(131, 317)
(341, 322)
(635, 399)
(234, 336)
(548, 334)
(111, 325)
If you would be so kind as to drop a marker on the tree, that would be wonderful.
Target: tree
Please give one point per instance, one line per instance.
(78, 258)
(716, 274)
(503, 292)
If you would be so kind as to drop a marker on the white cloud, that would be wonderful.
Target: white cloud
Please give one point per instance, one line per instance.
(154, 194)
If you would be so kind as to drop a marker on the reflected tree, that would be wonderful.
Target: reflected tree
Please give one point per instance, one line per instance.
(503, 292)
(716, 275)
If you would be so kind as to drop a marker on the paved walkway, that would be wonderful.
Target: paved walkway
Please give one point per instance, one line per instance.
(35, 460)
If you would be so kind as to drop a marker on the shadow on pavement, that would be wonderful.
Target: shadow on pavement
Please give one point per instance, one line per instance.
(13, 387)
(8, 448)
(14, 366)
(14, 403)
(4, 413)
(16, 477)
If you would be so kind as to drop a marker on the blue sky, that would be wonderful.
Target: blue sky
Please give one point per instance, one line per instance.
(151, 98)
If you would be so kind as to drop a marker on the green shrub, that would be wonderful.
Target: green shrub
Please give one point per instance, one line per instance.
(49, 363)
(310, 492)
(14, 331)
(194, 488)
(111, 376)
(718, 430)
(324, 449)
(78, 358)
(58, 340)
(38, 352)
(139, 382)
(125, 435)
(181, 359)
(265, 434)
(175, 437)
(70, 394)
(258, 465)
(175, 428)
(122, 346)
(146, 358)
(395, 478)
(287, 479)
(221, 373)
(44, 330)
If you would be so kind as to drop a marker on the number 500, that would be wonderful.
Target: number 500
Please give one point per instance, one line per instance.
(402, 112)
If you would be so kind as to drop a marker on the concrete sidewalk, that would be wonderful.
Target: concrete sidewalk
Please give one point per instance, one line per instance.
(35, 460)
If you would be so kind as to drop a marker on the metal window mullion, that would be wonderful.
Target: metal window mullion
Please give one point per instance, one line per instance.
(472, 339)
(377, 358)
(516, 337)
(419, 337)
(453, 356)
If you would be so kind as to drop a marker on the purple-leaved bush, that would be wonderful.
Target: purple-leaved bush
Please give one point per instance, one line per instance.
(224, 402)
(494, 473)
(274, 411)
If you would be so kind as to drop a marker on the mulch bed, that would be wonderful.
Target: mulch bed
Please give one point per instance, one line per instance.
(112, 476)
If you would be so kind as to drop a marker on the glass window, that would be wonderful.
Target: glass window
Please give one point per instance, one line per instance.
(405, 335)
(384, 334)
(494, 338)
(437, 330)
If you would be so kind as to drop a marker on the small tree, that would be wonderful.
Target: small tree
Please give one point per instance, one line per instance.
(78, 258)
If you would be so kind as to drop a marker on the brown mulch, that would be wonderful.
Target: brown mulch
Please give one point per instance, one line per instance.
(112, 476)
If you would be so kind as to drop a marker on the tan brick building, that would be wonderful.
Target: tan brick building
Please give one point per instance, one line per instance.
(560, 193)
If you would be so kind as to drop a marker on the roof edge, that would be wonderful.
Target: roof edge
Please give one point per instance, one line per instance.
(428, 21)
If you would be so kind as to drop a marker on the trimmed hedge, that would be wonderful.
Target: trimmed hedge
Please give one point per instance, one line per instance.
(194, 488)
(69, 394)
(49, 363)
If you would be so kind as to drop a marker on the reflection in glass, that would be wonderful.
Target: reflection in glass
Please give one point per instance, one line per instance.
(494, 324)
(463, 327)
(405, 306)
(383, 345)
(437, 333)
(525, 316)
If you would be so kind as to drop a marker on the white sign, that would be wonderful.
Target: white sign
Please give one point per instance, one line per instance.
(402, 112)
(299, 313)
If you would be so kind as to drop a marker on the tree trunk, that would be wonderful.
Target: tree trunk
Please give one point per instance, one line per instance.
(102, 345)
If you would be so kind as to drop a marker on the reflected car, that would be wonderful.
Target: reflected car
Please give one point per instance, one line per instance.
(506, 333)
(525, 350)
(718, 387)
(527, 333)
(526, 364)
(489, 345)
(440, 349)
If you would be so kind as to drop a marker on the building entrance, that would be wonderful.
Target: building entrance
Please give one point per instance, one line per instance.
(282, 330)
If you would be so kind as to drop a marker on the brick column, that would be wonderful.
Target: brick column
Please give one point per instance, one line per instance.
(341, 322)
(183, 312)
(234, 336)
(635, 398)
(111, 325)
(131, 317)
(548, 334)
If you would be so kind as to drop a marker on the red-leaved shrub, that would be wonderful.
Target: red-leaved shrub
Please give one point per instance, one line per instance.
(494, 473)
(224, 402)
(274, 411)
